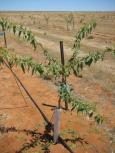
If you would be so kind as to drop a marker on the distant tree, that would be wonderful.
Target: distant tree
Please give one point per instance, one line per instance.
(46, 19)
(70, 22)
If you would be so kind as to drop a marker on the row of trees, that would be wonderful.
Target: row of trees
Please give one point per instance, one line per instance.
(69, 21)
(74, 65)
(18, 30)
(54, 69)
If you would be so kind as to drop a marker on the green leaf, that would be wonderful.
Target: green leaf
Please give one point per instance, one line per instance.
(23, 68)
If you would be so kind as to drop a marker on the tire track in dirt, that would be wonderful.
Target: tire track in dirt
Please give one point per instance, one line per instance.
(71, 39)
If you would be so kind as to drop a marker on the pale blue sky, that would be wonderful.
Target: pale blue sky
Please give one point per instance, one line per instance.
(58, 5)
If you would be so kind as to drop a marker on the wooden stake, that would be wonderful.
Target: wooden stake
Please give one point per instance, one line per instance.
(63, 63)
(62, 60)
(5, 42)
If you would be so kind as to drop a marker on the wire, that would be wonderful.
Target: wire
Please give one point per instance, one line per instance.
(20, 90)
(39, 109)
(26, 105)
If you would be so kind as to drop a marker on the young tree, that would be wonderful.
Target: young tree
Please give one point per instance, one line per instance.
(18, 30)
(46, 18)
(70, 22)
(53, 68)
(74, 65)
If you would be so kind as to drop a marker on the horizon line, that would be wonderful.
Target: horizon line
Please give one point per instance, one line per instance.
(57, 11)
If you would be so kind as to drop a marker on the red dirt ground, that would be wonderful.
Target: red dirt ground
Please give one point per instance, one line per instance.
(23, 115)
(20, 113)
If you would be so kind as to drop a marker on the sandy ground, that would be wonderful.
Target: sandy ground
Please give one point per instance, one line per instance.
(20, 113)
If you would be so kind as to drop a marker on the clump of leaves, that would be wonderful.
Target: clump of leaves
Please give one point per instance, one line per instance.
(65, 92)
(20, 31)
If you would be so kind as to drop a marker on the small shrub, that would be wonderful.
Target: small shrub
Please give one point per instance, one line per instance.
(90, 37)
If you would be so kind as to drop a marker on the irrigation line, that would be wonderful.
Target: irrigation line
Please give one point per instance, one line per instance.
(39, 110)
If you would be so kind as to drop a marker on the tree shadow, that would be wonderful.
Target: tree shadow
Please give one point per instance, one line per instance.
(75, 140)
(42, 139)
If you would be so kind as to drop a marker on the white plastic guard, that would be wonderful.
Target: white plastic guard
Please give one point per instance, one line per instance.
(57, 117)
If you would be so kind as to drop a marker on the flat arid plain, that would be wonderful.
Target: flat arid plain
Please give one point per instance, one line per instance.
(97, 84)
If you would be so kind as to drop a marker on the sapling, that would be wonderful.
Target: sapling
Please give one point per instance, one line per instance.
(46, 18)
(70, 22)
(53, 68)
(74, 65)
